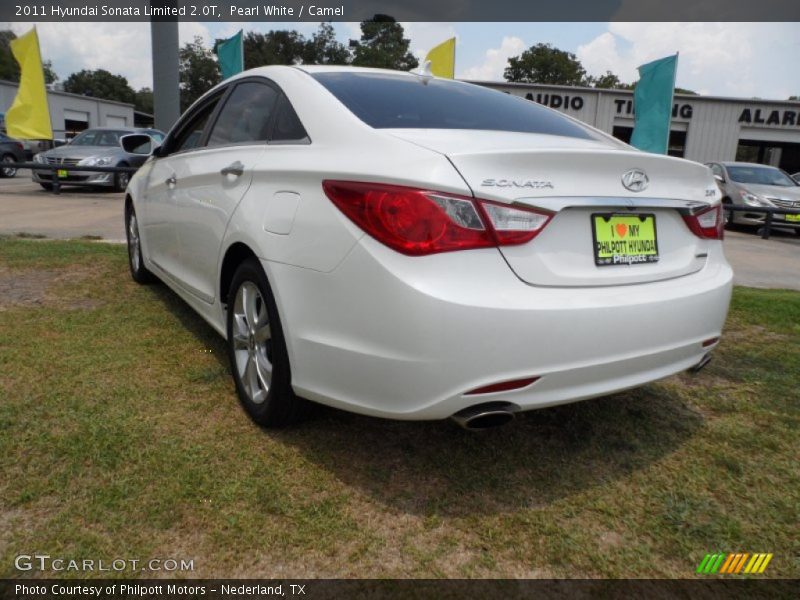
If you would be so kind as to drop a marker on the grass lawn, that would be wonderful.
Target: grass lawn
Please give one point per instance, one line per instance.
(121, 437)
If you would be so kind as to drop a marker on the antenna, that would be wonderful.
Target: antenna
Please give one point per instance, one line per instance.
(424, 72)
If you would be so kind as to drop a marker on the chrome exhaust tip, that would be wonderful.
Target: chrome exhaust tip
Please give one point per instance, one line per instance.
(485, 416)
(701, 365)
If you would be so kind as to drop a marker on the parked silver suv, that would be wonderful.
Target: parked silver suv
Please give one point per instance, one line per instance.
(756, 185)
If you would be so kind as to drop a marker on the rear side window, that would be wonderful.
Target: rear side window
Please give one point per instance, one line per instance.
(387, 101)
(288, 127)
(245, 116)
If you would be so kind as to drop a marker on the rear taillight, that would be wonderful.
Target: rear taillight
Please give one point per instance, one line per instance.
(19, 146)
(708, 224)
(418, 222)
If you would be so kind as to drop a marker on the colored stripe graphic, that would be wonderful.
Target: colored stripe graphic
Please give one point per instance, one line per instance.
(717, 563)
(728, 562)
(704, 563)
(734, 563)
(740, 564)
(753, 562)
(765, 563)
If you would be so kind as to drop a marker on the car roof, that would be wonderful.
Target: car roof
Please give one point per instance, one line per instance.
(348, 69)
(266, 71)
(112, 129)
(733, 163)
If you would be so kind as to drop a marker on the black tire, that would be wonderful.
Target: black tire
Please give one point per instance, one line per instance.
(121, 179)
(277, 405)
(47, 186)
(139, 272)
(8, 172)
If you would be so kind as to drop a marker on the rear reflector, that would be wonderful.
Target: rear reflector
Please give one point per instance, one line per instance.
(418, 222)
(710, 342)
(505, 386)
(708, 224)
(513, 225)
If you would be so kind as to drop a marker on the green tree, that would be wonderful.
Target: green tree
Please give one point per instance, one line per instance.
(198, 71)
(324, 49)
(100, 84)
(382, 45)
(9, 68)
(607, 81)
(685, 91)
(543, 63)
(143, 100)
(795, 98)
(50, 75)
(285, 47)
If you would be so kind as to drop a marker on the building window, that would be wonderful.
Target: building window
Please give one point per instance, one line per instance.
(677, 139)
(784, 155)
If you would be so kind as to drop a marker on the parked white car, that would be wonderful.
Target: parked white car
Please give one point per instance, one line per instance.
(416, 248)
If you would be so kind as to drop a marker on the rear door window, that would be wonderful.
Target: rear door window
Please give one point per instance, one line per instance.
(246, 116)
(190, 135)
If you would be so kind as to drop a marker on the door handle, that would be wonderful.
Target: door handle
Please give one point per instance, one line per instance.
(171, 181)
(235, 168)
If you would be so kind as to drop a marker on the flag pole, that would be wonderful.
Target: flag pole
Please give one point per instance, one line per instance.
(672, 100)
(241, 47)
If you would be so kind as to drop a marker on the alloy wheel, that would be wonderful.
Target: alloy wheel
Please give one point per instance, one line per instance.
(252, 342)
(9, 171)
(134, 248)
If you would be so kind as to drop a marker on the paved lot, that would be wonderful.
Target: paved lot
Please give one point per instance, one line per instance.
(772, 263)
(27, 208)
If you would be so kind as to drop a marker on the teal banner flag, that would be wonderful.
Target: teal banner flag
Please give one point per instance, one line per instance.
(652, 103)
(230, 54)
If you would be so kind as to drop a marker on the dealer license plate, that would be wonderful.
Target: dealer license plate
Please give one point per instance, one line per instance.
(793, 218)
(624, 239)
(63, 173)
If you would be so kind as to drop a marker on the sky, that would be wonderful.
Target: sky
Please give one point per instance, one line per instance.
(744, 60)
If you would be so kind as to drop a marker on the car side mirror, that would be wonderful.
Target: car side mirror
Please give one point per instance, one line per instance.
(138, 143)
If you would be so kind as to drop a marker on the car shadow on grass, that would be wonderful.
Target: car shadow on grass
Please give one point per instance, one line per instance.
(437, 468)
(432, 468)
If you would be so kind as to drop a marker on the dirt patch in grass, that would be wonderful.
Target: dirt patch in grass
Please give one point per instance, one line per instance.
(25, 288)
(46, 288)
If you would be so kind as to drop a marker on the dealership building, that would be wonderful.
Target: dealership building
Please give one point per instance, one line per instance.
(704, 128)
(72, 113)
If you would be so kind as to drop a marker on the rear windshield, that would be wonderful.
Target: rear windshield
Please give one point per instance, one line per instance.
(387, 101)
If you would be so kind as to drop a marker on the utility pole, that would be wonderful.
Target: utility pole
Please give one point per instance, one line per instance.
(166, 82)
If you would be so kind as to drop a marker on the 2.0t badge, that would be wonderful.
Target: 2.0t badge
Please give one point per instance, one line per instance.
(635, 180)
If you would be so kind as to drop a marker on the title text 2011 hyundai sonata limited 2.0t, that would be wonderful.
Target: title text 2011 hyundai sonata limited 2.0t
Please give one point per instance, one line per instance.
(410, 247)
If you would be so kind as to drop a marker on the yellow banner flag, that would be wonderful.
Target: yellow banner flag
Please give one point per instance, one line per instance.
(443, 59)
(29, 118)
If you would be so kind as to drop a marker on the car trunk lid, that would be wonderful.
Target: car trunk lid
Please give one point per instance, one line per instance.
(578, 180)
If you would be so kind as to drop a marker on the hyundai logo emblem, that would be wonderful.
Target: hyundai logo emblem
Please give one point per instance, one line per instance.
(635, 180)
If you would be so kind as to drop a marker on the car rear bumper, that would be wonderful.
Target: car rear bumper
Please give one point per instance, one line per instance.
(406, 337)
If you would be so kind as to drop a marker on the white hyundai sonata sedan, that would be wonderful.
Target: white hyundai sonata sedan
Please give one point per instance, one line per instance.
(409, 247)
